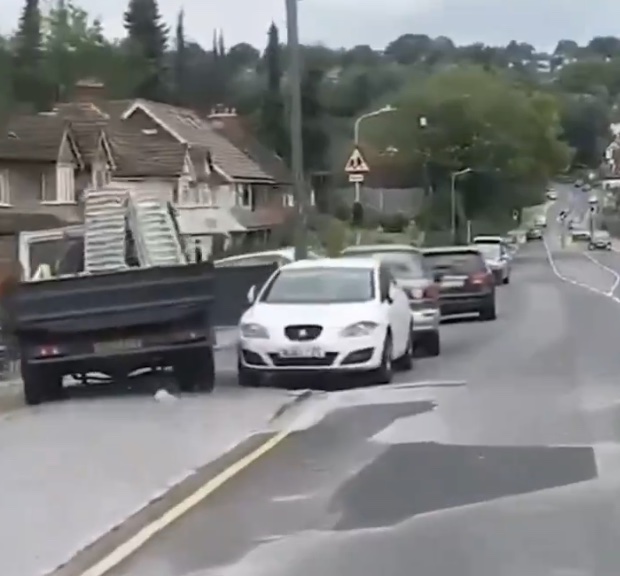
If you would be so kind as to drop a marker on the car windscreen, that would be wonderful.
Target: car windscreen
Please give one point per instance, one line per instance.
(601, 235)
(490, 251)
(402, 264)
(456, 262)
(321, 286)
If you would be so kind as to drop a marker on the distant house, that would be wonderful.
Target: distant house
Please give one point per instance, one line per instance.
(221, 181)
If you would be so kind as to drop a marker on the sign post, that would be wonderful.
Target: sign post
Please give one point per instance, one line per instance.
(562, 219)
(356, 167)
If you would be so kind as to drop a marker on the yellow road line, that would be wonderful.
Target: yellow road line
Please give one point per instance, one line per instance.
(138, 540)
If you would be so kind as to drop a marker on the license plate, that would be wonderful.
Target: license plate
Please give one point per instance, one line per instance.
(453, 283)
(312, 352)
(117, 345)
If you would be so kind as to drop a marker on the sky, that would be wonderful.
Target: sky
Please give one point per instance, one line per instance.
(345, 23)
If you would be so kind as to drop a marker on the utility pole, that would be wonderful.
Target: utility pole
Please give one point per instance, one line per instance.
(297, 154)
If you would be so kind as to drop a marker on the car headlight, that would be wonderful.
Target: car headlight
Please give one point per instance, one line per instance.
(252, 330)
(359, 329)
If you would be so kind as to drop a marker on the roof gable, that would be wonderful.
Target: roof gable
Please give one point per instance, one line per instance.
(187, 127)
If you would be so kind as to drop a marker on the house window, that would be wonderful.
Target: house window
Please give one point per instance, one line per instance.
(5, 194)
(65, 185)
(245, 196)
(288, 200)
(205, 197)
(47, 189)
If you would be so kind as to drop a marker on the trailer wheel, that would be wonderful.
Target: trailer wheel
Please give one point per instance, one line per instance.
(41, 383)
(195, 371)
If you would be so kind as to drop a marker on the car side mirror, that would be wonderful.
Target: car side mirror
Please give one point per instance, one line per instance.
(252, 294)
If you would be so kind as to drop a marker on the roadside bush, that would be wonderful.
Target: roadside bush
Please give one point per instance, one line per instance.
(394, 223)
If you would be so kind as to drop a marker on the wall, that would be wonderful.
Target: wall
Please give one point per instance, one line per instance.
(25, 189)
(161, 186)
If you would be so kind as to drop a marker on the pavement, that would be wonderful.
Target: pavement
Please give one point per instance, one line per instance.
(499, 458)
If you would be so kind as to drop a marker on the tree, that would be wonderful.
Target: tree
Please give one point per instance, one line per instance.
(315, 138)
(508, 136)
(28, 84)
(585, 127)
(180, 61)
(272, 124)
(148, 37)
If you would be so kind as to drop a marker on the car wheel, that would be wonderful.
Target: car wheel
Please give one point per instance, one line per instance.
(405, 362)
(432, 344)
(385, 372)
(506, 280)
(488, 312)
(246, 377)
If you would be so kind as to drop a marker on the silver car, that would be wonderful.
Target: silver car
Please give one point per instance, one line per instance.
(497, 259)
(601, 240)
(411, 272)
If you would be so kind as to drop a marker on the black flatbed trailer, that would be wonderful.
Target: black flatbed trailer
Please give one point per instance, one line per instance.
(113, 323)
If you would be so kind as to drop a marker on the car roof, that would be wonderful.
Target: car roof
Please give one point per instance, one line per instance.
(451, 250)
(496, 239)
(369, 263)
(366, 248)
(288, 252)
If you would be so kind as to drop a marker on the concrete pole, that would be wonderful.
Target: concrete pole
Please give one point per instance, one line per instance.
(297, 162)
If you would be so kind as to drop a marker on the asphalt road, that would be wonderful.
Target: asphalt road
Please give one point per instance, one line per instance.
(499, 458)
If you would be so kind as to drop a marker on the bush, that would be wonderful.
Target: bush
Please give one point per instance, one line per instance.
(394, 223)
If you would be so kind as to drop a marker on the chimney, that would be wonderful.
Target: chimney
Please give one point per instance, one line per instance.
(88, 90)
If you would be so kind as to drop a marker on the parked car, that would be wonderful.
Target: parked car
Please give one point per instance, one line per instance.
(326, 316)
(466, 285)
(497, 259)
(534, 233)
(412, 273)
(580, 234)
(601, 240)
(279, 256)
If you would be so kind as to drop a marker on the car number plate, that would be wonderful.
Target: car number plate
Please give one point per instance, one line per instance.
(117, 345)
(302, 352)
(453, 283)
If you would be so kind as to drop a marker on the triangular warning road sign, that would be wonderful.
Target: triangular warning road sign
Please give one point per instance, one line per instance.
(356, 163)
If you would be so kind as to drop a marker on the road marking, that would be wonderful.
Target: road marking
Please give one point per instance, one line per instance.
(138, 540)
(608, 269)
(555, 270)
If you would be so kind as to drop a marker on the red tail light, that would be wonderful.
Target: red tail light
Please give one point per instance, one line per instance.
(481, 278)
(431, 292)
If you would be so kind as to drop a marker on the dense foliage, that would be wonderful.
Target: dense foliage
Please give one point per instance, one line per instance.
(512, 115)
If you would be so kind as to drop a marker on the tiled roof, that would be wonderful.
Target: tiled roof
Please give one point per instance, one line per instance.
(35, 138)
(234, 130)
(198, 133)
(137, 154)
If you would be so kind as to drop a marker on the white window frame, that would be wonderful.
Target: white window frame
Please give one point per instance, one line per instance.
(205, 195)
(65, 186)
(5, 188)
(288, 200)
(245, 195)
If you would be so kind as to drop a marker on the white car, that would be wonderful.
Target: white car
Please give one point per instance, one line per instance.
(326, 316)
(280, 257)
(497, 259)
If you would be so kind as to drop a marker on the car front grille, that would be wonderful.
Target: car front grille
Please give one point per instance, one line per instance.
(303, 332)
(280, 362)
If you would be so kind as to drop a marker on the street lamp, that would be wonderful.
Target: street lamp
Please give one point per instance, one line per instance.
(299, 192)
(455, 175)
(360, 119)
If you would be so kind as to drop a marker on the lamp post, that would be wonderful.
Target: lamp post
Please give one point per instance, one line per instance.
(299, 185)
(356, 135)
(455, 175)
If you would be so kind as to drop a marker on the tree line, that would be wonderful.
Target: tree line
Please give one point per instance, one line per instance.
(492, 109)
